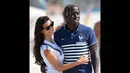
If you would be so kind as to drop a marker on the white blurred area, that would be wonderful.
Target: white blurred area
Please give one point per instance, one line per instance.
(34, 14)
(87, 18)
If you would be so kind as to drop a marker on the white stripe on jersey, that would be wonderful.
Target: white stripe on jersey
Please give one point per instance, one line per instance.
(71, 56)
(74, 56)
(74, 53)
(70, 59)
(75, 47)
(76, 50)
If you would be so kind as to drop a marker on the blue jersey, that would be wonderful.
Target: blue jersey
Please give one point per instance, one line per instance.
(74, 44)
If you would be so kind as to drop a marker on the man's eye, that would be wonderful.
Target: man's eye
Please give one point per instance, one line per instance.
(77, 12)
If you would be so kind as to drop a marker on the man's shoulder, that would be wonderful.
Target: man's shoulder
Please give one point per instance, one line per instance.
(85, 28)
(60, 28)
(59, 31)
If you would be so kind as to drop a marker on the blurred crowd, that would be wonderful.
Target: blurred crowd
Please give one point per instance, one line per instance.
(90, 11)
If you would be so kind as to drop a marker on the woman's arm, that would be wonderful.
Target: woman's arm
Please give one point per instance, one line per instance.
(52, 58)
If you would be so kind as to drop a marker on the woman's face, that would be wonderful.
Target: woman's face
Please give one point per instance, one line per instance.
(48, 29)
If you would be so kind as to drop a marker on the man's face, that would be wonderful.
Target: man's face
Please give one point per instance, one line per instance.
(74, 17)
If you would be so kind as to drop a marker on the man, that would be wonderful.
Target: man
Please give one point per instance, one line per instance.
(76, 39)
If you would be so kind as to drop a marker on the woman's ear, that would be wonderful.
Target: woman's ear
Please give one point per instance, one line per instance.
(42, 31)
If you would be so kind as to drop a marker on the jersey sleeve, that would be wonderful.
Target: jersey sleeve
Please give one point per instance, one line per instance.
(91, 37)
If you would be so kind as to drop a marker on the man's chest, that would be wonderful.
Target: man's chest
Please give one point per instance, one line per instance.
(73, 38)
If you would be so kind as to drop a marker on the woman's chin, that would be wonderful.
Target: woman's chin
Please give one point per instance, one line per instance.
(52, 33)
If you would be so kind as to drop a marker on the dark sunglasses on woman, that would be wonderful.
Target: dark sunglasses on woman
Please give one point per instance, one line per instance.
(48, 27)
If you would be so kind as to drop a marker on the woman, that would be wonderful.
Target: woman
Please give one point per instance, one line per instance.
(46, 51)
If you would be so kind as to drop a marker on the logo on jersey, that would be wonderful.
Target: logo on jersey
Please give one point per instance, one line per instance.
(80, 37)
(63, 39)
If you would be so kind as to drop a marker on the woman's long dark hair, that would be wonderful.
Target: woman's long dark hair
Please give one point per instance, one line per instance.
(38, 41)
(39, 38)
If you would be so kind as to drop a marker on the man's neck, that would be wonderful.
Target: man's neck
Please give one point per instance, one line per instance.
(72, 28)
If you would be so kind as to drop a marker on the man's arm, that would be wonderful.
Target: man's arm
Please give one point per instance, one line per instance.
(95, 57)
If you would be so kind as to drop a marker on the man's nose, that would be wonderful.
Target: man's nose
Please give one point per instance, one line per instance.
(77, 15)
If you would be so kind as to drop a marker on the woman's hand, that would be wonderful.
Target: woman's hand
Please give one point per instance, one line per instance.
(83, 59)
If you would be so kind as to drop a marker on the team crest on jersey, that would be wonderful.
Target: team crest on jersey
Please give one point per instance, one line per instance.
(80, 37)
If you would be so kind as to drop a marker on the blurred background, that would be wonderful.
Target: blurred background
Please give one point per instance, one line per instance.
(89, 16)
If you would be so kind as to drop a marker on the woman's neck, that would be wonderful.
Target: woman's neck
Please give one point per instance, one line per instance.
(49, 38)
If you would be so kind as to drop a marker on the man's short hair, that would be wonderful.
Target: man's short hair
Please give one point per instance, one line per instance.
(68, 9)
